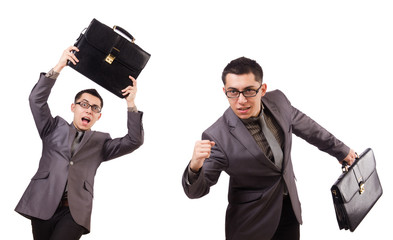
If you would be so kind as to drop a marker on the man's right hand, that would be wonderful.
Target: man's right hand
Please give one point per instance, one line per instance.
(65, 57)
(202, 151)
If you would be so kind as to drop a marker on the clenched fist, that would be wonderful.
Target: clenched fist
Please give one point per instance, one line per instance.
(202, 151)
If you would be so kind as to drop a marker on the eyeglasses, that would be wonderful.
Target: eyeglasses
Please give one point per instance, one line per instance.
(94, 108)
(234, 93)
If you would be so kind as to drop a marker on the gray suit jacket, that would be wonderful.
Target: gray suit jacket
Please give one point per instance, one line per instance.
(256, 185)
(57, 167)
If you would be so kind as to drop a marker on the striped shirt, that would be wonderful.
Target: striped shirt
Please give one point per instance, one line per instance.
(253, 126)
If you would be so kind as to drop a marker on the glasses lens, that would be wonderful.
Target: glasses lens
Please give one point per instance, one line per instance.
(232, 94)
(250, 93)
(84, 105)
(96, 108)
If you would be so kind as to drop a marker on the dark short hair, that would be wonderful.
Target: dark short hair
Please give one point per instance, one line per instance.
(91, 91)
(241, 66)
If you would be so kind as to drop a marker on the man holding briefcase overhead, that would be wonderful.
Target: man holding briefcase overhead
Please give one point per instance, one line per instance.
(251, 142)
(59, 197)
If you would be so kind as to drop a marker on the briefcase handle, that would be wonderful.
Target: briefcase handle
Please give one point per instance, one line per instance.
(345, 165)
(120, 29)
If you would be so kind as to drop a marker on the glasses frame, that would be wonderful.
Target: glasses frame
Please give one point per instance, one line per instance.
(88, 106)
(242, 92)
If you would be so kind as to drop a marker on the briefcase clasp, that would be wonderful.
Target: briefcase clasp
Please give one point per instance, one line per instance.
(112, 55)
(361, 187)
(110, 58)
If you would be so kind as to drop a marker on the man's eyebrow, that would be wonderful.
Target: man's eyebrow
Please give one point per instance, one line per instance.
(248, 87)
(232, 88)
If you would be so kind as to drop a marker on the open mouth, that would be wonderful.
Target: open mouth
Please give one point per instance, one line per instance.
(244, 109)
(86, 120)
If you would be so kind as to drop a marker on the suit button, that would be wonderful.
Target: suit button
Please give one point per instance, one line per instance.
(71, 163)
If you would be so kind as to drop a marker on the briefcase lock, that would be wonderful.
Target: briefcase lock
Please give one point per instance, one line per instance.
(112, 55)
(110, 58)
(361, 187)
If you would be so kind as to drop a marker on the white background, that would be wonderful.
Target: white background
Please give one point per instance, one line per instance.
(333, 59)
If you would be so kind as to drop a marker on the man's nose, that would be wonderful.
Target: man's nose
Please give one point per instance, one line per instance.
(89, 110)
(242, 98)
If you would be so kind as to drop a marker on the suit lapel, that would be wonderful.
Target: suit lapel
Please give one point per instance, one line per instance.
(71, 136)
(275, 112)
(240, 132)
(85, 139)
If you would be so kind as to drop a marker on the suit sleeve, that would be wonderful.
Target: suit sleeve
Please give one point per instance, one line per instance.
(309, 130)
(117, 147)
(209, 173)
(38, 100)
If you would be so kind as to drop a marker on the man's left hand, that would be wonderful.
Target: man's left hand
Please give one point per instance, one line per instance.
(130, 93)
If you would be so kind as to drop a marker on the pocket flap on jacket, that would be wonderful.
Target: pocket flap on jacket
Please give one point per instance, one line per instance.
(88, 187)
(40, 175)
(244, 197)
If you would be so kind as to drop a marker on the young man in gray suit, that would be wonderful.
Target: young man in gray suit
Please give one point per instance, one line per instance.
(251, 142)
(59, 197)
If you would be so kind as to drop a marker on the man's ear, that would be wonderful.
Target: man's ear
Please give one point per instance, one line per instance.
(263, 89)
(98, 118)
(73, 107)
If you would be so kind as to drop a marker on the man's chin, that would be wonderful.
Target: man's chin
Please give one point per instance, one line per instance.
(243, 116)
(83, 127)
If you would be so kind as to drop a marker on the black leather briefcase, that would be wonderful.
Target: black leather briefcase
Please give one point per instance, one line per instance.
(356, 191)
(108, 58)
